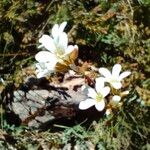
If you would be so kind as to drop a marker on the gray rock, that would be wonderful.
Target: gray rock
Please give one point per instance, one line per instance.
(41, 104)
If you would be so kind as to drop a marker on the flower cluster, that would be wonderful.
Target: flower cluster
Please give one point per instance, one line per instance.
(59, 56)
(96, 96)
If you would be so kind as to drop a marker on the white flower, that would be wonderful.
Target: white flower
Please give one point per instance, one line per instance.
(52, 59)
(115, 77)
(44, 69)
(116, 99)
(46, 63)
(95, 96)
(46, 40)
(57, 30)
(57, 45)
(58, 50)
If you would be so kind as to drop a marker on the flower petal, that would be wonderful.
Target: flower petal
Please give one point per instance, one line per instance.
(40, 66)
(69, 49)
(45, 56)
(100, 105)
(91, 93)
(86, 104)
(116, 98)
(41, 74)
(105, 72)
(55, 31)
(62, 26)
(51, 65)
(63, 42)
(124, 74)
(105, 91)
(99, 83)
(116, 85)
(116, 70)
(44, 69)
(48, 43)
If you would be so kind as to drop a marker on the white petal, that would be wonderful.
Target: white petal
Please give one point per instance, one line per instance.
(55, 31)
(124, 74)
(105, 72)
(100, 105)
(51, 65)
(39, 75)
(48, 43)
(116, 98)
(40, 66)
(116, 85)
(91, 93)
(99, 83)
(63, 41)
(62, 26)
(42, 73)
(105, 91)
(69, 49)
(86, 104)
(45, 56)
(116, 70)
(76, 47)
(44, 69)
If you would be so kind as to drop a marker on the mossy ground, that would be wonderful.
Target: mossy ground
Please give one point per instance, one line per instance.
(107, 32)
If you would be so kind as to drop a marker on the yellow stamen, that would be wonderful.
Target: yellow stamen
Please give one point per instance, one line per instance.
(99, 97)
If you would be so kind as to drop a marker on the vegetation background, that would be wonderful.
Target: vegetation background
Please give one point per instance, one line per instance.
(107, 32)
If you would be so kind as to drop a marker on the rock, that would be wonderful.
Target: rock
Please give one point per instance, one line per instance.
(41, 103)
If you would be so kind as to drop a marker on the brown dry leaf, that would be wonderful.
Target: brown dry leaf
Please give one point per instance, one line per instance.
(104, 30)
(90, 145)
(2, 133)
(97, 9)
(108, 15)
(74, 82)
(5, 137)
(85, 66)
(65, 65)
